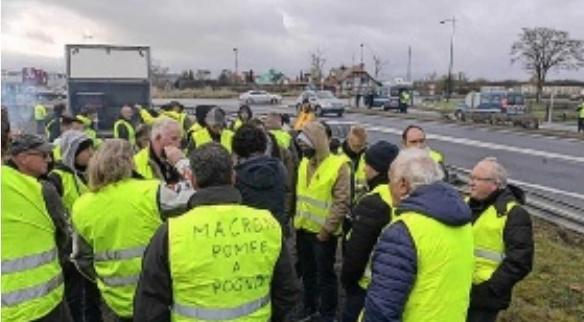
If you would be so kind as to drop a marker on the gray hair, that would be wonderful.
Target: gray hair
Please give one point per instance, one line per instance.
(113, 162)
(498, 172)
(211, 165)
(416, 167)
(161, 125)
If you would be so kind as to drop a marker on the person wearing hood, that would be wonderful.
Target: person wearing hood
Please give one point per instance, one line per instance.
(260, 179)
(214, 131)
(353, 148)
(368, 217)
(68, 174)
(244, 114)
(70, 180)
(503, 239)
(322, 202)
(124, 126)
(422, 265)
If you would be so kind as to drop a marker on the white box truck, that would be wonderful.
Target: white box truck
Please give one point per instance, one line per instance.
(105, 77)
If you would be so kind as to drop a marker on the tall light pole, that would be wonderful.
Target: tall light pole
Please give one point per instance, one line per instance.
(451, 64)
(361, 55)
(235, 52)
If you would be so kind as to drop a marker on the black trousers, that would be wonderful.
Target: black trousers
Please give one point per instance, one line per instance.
(580, 125)
(477, 315)
(354, 303)
(318, 275)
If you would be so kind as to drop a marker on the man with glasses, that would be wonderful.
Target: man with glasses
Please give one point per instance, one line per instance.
(503, 240)
(34, 235)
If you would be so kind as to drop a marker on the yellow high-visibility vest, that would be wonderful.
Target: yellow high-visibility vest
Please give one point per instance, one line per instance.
(118, 221)
(222, 259)
(314, 195)
(32, 281)
(488, 242)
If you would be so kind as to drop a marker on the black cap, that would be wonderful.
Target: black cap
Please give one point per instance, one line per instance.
(380, 155)
(27, 142)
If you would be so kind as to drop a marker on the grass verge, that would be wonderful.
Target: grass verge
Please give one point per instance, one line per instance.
(554, 291)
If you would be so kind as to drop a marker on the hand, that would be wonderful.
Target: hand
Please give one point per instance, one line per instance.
(173, 154)
(323, 235)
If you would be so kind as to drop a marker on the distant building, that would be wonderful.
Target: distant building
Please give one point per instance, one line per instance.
(348, 81)
(272, 77)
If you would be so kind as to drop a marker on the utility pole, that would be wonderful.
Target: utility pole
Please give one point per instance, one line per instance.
(451, 64)
(235, 52)
(409, 74)
(362, 65)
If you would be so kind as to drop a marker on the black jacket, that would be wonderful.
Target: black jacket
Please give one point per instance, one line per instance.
(153, 299)
(262, 184)
(369, 217)
(495, 294)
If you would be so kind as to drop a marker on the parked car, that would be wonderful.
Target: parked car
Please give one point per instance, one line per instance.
(259, 97)
(324, 102)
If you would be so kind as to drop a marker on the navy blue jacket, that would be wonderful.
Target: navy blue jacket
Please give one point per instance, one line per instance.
(394, 265)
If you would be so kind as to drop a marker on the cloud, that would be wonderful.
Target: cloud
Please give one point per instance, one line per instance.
(281, 34)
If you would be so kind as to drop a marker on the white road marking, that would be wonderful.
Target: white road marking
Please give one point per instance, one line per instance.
(487, 145)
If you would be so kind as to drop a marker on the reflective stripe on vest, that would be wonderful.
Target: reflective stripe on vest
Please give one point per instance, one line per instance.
(32, 284)
(314, 199)
(229, 275)
(118, 221)
(221, 314)
(488, 240)
(202, 137)
(31, 293)
(28, 262)
(444, 256)
(129, 128)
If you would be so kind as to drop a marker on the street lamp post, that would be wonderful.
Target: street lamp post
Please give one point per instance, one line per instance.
(451, 64)
(235, 52)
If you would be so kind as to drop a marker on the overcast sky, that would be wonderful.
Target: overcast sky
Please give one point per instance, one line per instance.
(281, 34)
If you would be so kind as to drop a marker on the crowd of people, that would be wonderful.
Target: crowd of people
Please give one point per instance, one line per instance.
(194, 219)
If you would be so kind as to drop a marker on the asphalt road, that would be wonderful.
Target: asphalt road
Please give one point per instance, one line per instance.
(546, 164)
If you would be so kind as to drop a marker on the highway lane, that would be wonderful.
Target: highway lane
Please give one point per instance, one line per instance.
(552, 165)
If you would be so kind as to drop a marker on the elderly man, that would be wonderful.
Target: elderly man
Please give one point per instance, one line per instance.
(34, 229)
(423, 262)
(124, 127)
(159, 159)
(503, 240)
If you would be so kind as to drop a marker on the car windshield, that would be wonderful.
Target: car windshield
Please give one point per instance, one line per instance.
(491, 98)
(325, 94)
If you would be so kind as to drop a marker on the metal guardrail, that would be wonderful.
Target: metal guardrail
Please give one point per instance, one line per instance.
(539, 204)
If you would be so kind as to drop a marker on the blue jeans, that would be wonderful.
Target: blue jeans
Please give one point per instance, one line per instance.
(318, 275)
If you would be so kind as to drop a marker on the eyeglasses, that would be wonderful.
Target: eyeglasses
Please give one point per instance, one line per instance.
(474, 178)
(43, 155)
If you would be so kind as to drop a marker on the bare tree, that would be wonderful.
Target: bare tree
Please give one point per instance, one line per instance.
(378, 65)
(317, 62)
(543, 49)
